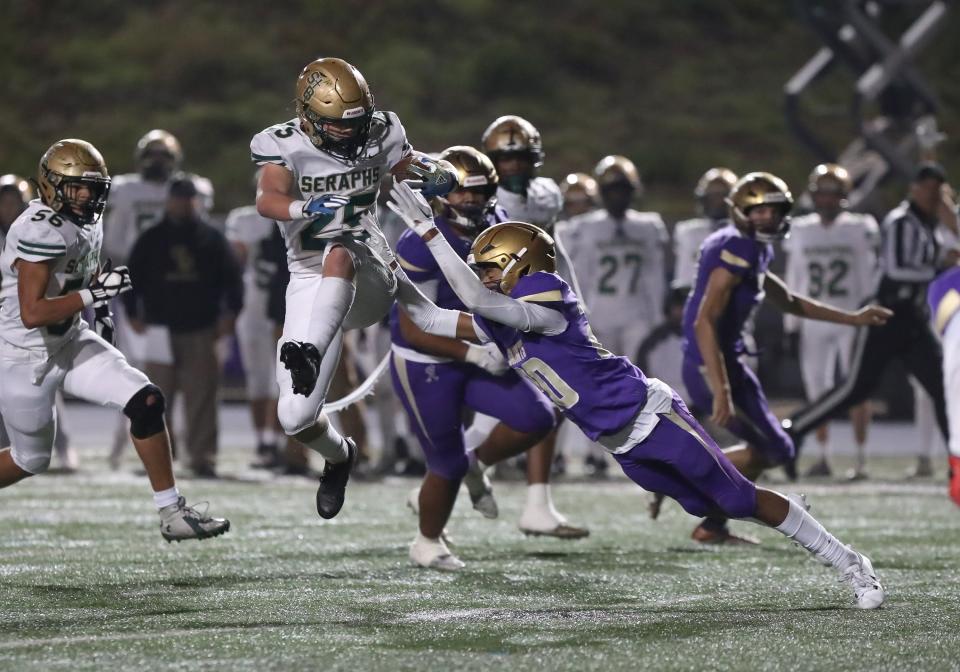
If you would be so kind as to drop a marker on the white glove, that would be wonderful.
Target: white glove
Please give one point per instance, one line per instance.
(411, 207)
(544, 201)
(377, 241)
(488, 357)
(108, 283)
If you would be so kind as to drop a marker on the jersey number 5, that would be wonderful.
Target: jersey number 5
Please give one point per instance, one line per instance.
(351, 217)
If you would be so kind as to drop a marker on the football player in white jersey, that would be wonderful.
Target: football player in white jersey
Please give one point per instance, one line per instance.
(831, 256)
(50, 272)
(711, 193)
(250, 235)
(136, 203)
(580, 195)
(321, 171)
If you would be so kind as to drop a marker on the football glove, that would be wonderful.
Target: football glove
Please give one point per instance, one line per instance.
(488, 357)
(103, 323)
(437, 178)
(377, 241)
(411, 207)
(108, 283)
(325, 204)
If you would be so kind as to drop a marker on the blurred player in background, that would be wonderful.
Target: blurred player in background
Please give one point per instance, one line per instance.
(944, 299)
(137, 201)
(732, 278)
(661, 353)
(831, 256)
(50, 272)
(520, 304)
(619, 255)
(580, 195)
(251, 235)
(711, 193)
(321, 171)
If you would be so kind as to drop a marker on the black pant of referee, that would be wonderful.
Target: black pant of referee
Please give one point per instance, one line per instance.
(907, 336)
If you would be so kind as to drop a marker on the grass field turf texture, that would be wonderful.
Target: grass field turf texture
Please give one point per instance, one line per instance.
(87, 583)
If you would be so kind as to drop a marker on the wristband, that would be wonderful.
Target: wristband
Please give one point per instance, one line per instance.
(296, 209)
(87, 297)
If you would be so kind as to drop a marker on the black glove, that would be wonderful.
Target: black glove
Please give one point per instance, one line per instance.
(103, 323)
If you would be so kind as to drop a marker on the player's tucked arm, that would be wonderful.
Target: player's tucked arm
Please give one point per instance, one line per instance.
(780, 296)
(36, 310)
(431, 344)
(716, 297)
(428, 316)
(273, 193)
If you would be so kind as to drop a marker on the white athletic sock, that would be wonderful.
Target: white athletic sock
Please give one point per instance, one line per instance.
(540, 504)
(163, 498)
(806, 531)
(330, 305)
(330, 445)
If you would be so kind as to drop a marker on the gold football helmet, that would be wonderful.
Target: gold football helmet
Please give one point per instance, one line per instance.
(826, 173)
(67, 165)
(511, 134)
(335, 107)
(20, 185)
(719, 178)
(517, 248)
(475, 172)
(159, 140)
(579, 185)
(759, 188)
(614, 169)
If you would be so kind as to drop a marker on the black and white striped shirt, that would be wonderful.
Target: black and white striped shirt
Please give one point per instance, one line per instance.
(909, 250)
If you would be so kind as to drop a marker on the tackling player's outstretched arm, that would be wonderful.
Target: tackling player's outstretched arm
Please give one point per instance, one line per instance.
(780, 295)
(410, 206)
(716, 297)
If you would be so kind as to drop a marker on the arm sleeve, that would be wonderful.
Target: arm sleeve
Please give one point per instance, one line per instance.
(423, 312)
(265, 149)
(491, 305)
(37, 241)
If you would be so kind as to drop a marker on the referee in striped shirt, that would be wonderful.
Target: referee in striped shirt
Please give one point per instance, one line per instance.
(909, 260)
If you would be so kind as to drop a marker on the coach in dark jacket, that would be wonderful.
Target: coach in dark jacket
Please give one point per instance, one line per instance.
(187, 292)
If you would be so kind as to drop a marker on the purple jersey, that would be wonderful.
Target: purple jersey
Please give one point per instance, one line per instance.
(595, 389)
(746, 258)
(420, 266)
(943, 296)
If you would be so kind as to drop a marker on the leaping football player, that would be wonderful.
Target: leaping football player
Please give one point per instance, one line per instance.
(50, 273)
(519, 303)
(321, 171)
(732, 278)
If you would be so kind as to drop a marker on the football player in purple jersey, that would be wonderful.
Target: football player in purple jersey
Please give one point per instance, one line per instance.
(732, 278)
(519, 303)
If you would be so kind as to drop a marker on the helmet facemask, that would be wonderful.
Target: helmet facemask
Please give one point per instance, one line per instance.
(348, 147)
(475, 215)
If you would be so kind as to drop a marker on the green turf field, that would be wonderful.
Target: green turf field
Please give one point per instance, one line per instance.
(87, 583)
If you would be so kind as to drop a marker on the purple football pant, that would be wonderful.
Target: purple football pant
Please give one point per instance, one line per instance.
(434, 397)
(680, 460)
(754, 422)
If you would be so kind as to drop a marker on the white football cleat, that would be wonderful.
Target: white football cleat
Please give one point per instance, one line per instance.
(179, 521)
(543, 523)
(866, 585)
(434, 554)
(481, 491)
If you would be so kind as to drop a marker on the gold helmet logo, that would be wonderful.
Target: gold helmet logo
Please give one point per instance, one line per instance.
(517, 249)
(759, 188)
(719, 179)
(73, 180)
(614, 170)
(21, 185)
(830, 177)
(331, 92)
(161, 141)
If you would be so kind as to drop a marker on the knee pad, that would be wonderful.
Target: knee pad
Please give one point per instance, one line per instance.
(145, 410)
(295, 417)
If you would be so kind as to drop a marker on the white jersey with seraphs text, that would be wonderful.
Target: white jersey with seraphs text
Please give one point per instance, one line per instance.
(246, 226)
(620, 266)
(836, 263)
(40, 235)
(316, 172)
(137, 204)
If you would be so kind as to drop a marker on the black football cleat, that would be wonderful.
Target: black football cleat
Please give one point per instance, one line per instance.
(302, 360)
(333, 483)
